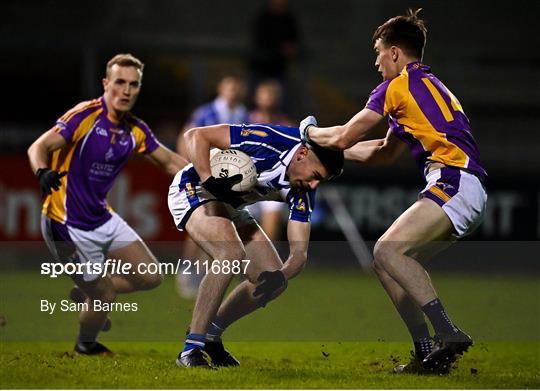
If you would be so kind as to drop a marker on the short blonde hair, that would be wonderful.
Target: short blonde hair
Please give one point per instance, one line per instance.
(124, 60)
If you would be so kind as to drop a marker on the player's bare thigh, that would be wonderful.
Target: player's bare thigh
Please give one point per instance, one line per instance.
(260, 251)
(422, 228)
(140, 257)
(211, 228)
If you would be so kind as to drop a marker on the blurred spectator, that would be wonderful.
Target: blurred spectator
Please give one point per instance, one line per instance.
(267, 105)
(226, 108)
(267, 110)
(275, 43)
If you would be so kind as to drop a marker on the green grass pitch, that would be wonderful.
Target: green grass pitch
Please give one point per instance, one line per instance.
(329, 330)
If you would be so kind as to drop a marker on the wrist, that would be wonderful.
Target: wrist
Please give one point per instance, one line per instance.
(40, 171)
(308, 138)
(281, 276)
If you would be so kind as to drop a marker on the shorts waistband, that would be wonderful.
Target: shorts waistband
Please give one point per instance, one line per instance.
(481, 178)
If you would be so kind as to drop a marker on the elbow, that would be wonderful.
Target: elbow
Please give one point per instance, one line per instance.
(189, 135)
(302, 262)
(31, 150)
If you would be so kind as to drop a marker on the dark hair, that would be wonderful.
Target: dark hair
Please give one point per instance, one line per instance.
(331, 160)
(405, 31)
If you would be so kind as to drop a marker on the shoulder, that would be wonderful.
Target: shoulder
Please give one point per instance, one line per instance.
(399, 83)
(380, 89)
(203, 115)
(270, 132)
(134, 121)
(81, 110)
(391, 85)
(204, 109)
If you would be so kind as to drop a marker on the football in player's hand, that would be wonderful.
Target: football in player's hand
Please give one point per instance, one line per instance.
(229, 162)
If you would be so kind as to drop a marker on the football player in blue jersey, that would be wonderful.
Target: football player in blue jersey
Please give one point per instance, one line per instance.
(227, 108)
(213, 215)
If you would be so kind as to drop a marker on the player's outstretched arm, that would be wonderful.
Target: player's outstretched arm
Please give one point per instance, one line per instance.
(167, 160)
(198, 143)
(343, 136)
(381, 152)
(298, 237)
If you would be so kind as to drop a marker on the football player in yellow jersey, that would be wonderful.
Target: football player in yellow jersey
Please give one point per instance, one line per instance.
(79, 158)
(425, 116)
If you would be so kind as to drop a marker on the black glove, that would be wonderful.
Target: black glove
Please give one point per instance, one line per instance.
(49, 179)
(270, 282)
(221, 187)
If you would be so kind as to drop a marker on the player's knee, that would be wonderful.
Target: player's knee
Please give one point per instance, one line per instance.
(104, 295)
(375, 266)
(383, 253)
(232, 254)
(151, 281)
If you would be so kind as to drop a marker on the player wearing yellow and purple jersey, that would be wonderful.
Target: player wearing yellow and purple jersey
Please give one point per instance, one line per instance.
(425, 116)
(79, 158)
(97, 148)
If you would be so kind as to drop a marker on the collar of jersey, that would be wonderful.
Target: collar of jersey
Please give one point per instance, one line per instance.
(105, 115)
(285, 161)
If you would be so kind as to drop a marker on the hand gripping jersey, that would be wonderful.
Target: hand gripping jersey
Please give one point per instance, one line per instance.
(96, 151)
(271, 147)
(428, 118)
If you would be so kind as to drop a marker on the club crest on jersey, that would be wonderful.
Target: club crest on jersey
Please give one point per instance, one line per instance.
(247, 132)
(109, 155)
(190, 191)
(444, 186)
(301, 205)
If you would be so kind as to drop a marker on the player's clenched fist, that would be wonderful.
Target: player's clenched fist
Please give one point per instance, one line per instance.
(222, 187)
(269, 283)
(304, 126)
(49, 179)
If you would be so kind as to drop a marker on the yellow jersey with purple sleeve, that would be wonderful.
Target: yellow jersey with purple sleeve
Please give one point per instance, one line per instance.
(424, 114)
(96, 151)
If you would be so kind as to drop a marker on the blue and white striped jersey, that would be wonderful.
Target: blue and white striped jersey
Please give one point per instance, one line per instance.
(271, 147)
(217, 112)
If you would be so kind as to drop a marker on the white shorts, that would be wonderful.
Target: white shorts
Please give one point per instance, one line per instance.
(184, 200)
(68, 244)
(460, 194)
(259, 208)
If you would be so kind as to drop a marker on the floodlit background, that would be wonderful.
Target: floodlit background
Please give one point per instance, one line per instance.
(53, 55)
